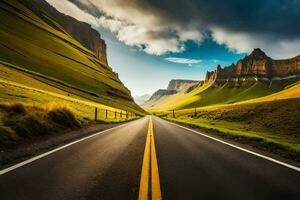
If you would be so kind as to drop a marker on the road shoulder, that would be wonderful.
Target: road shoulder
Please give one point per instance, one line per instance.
(10, 155)
(247, 146)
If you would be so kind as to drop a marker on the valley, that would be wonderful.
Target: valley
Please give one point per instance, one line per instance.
(78, 121)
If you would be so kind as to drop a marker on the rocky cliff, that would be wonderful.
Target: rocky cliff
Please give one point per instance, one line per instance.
(175, 86)
(81, 31)
(162, 92)
(257, 65)
(86, 35)
(179, 84)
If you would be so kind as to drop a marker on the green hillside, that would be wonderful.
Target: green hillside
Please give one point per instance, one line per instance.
(270, 123)
(49, 82)
(227, 93)
(32, 49)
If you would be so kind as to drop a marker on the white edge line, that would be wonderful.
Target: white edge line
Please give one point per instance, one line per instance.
(237, 147)
(4, 171)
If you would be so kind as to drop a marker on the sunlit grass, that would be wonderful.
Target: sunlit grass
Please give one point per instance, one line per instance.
(21, 122)
(270, 125)
(83, 109)
(229, 93)
(35, 54)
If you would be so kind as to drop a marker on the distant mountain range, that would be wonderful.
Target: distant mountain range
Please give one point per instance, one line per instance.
(255, 76)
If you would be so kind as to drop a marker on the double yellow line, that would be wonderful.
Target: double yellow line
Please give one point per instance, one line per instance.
(149, 184)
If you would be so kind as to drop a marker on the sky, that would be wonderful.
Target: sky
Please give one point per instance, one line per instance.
(150, 42)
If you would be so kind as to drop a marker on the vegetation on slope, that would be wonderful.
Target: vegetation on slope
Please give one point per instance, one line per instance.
(84, 110)
(35, 49)
(271, 123)
(42, 68)
(21, 122)
(209, 94)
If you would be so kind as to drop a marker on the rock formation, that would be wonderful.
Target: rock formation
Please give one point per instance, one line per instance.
(162, 92)
(86, 35)
(257, 65)
(176, 86)
(81, 31)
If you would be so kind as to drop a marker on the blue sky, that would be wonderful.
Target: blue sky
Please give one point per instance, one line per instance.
(144, 74)
(151, 42)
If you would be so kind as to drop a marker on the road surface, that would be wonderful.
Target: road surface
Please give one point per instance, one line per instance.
(141, 160)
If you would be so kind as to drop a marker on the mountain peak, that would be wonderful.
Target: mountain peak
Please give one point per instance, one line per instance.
(257, 53)
(257, 64)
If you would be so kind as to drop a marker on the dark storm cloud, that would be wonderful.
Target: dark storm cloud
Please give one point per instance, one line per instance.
(271, 24)
(276, 17)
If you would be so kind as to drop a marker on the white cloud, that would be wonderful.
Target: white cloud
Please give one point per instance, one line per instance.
(183, 60)
(245, 43)
(72, 10)
(134, 27)
(159, 31)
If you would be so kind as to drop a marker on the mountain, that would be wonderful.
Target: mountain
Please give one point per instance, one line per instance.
(257, 65)
(255, 76)
(141, 99)
(175, 87)
(81, 31)
(179, 84)
(45, 53)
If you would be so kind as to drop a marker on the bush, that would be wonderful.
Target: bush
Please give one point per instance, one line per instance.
(63, 116)
(30, 121)
(33, 125)
(17, 108)
(7, 135)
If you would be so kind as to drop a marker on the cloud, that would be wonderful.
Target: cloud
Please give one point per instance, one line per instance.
(71, 9)
(183, 60)
(161, 26)
(136, 23)
(244, 42)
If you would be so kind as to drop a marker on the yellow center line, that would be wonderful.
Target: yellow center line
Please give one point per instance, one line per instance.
(156, 194)
(150, 160)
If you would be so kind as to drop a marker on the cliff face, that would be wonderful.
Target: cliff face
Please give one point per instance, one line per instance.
(180, 84)
(162, 92)
(81, 31)
(86, 35)
(176, 86)
(256, 65)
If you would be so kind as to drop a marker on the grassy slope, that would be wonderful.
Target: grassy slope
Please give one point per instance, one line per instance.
(54, 60)
(58, 82)
(12, 92)
(271, 123)
(209, 95)
(291, 91)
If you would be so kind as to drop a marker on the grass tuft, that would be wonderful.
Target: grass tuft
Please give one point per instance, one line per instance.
(63, 115)
(25, 122)
(17, 108)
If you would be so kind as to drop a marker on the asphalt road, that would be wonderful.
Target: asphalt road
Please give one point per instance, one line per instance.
(190, 166)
